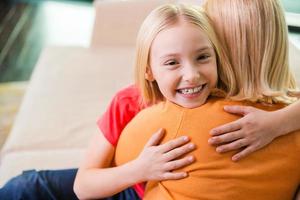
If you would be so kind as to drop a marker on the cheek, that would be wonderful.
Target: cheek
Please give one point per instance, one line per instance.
(215, 73)
(163, 81)
(212, 75)
(160, 74)
(156, 74)
(167, 81)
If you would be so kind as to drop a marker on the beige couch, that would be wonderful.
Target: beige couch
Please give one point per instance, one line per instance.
(71, 87)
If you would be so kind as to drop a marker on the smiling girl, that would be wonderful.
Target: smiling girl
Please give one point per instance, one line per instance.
(169, 41)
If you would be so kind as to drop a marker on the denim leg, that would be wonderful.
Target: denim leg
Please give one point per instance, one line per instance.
(40, 185)
(128, 194)
(60, 183)
(50, 185)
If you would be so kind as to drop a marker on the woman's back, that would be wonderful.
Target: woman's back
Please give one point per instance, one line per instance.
(271, 173)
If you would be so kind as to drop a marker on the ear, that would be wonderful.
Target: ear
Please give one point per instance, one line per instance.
(149, 74)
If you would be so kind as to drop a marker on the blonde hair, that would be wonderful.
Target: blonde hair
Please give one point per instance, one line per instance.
(162, 18)
(254, 36)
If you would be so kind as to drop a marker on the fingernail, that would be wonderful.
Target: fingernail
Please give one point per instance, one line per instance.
(185, 138)
(192, 146)
(234, 159)
(191, 158)
(160, 131)
(213, 132)
(219, 150)
(210, 140)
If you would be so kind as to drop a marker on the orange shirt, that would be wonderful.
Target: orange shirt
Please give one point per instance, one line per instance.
(270, 173)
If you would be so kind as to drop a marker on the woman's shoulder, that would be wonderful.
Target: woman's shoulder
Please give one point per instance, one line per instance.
(221, 102)
(152, 110)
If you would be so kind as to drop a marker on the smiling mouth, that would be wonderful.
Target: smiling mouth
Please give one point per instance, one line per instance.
(191, 91)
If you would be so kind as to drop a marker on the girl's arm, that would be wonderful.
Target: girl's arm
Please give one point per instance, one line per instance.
(255, 129)
(96, 179)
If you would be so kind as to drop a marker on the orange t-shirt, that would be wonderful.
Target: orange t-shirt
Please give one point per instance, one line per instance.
(270, 173)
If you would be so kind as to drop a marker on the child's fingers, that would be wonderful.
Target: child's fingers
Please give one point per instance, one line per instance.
(179, 151)
(232, 146)
(155, 138)
(225, 138)
(173, 175)
(244, 153)
(174, 143)
(176, 164)
(226, 128)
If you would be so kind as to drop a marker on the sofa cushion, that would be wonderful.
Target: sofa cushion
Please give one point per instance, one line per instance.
(69, 89)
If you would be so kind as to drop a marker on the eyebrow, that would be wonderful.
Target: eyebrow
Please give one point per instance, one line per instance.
(205, 48)
(198, 50)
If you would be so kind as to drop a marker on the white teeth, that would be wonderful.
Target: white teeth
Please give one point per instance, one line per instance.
(191, 90)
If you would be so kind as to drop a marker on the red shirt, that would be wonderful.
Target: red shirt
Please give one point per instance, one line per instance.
(124, 106)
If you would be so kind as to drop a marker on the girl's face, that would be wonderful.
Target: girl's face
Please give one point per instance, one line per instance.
(183, 63)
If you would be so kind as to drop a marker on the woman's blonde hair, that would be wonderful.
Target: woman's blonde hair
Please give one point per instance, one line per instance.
(254, 36)
(162, 18)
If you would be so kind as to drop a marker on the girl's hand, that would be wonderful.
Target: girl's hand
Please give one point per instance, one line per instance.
(156, 162)
(252, 132)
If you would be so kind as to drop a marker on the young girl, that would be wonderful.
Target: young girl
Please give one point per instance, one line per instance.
(182, 74)
(197, 39)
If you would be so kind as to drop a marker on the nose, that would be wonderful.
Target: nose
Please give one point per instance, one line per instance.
(191, 74)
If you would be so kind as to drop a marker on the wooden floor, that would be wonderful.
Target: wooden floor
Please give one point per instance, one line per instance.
(22, 37)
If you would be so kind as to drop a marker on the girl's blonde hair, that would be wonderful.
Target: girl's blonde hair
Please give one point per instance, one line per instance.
(254, 36)
(162, 18)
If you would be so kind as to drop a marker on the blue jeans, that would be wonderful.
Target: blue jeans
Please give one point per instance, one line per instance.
(49, 185)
